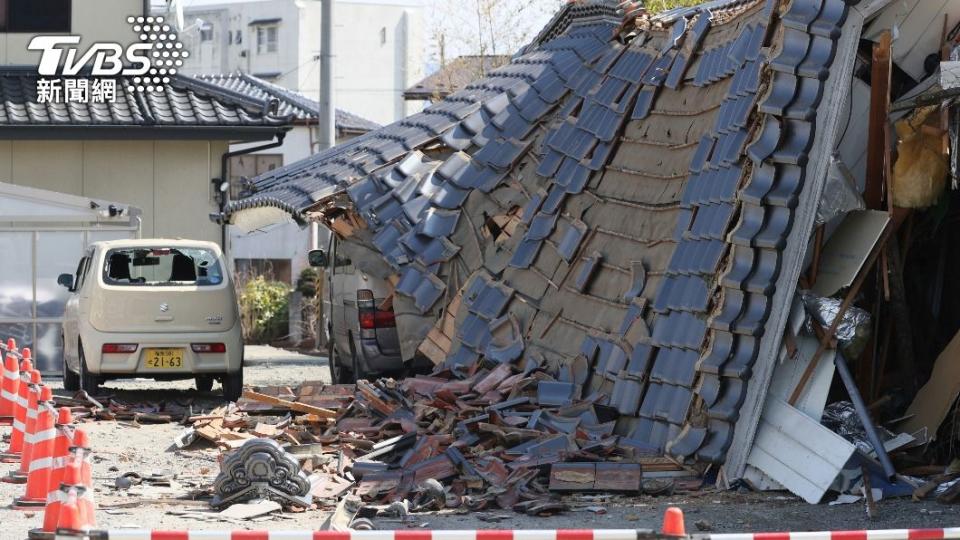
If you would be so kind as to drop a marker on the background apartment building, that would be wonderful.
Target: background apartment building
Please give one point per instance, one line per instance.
(378, 45)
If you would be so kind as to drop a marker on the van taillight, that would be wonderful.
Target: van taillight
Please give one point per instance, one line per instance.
(372, 318)
(208, 347)
(113, 348)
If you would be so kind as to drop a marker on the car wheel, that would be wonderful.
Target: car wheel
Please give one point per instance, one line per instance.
(233, 385)
(89, 382)
(204, 383)
(71, 381)
(339, 374)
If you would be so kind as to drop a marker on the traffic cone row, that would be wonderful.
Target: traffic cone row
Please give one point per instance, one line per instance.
(69, 503)
(9, 381)
(53, 455)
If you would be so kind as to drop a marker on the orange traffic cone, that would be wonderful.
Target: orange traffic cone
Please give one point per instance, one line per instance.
(8, 387)
(69, 517)
(20, 475)
(41, 458)
(77, 512)
(61, 447)
(673, 522)
(55, 500)
(80, 452)
(15, 449)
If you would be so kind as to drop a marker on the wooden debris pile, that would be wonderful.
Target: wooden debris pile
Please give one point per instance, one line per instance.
(499, 438)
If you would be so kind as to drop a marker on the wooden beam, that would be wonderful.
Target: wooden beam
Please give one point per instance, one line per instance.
(828, 337)
(878, 135)
(292, 405)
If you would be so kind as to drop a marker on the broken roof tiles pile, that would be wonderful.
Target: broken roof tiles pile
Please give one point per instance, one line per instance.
(608, 211)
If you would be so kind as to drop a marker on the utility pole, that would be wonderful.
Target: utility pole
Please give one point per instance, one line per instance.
(328, 132)
(327, 115)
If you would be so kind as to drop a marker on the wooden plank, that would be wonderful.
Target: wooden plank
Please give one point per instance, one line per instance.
(878, 137)
(292, 405)
(797, 451)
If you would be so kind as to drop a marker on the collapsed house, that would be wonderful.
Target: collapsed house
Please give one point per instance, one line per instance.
(627, 209)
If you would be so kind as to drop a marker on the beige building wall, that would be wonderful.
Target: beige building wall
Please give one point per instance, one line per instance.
(168, 180)
(94, 20)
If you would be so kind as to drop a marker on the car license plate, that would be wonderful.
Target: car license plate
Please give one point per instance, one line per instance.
(164, 358)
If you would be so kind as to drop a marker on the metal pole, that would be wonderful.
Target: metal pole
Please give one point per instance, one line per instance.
(864, 412)
(327, 114)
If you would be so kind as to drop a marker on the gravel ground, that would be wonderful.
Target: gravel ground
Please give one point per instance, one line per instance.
(120, 448)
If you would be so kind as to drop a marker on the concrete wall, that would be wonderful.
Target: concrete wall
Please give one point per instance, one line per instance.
(379, 49)
(168, 180)
(94, 20)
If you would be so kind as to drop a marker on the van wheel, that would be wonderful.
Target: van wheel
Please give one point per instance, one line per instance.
(204, 383)
(71, 381)
(233, 385)
(89, 382)
(339, 374)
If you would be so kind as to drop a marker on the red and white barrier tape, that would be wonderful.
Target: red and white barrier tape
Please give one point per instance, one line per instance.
(894, 534)
(596, 534)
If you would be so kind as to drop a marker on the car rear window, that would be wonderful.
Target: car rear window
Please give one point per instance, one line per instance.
(162, 266)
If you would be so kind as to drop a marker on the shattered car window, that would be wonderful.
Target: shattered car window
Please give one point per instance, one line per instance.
(162, 266)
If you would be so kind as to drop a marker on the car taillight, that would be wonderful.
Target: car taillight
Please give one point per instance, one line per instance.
(208, 347)
(385, 319)
(368, 320)
(370, 317)
(364, 299)
(113, 348)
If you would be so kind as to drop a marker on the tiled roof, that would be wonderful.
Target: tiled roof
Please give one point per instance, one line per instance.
(456, 75)
(291, 103)
(660, 167)
(186, 103)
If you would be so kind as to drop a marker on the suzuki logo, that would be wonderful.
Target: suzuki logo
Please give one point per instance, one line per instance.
(164, 307)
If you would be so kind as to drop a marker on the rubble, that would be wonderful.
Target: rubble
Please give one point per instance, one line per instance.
(599, 248)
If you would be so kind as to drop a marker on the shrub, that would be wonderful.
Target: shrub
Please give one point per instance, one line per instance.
(308, 282)
(264, 309)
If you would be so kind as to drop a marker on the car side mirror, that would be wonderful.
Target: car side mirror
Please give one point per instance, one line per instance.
(65, 280)
(317, 258)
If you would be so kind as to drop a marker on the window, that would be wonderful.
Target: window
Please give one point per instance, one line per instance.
(239, 37)
(383, 35)
(229, 37)
(35, 15)
(267, 39)
(162, 266)
(243, 168)
(206, 31)
(81, 273)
